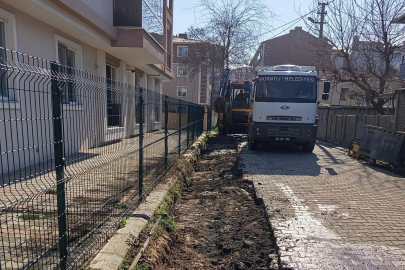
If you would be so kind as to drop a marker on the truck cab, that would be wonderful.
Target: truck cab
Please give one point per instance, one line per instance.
(284, 106)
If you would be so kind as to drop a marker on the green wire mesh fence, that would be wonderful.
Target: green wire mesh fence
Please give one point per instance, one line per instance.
(78, 153)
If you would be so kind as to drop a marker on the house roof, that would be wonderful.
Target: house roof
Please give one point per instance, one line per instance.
(177, 39)
(400, 19)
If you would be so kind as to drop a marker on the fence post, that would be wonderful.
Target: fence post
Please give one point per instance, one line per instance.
(377, 120)
(193, 118)
(209, 118)
(141, 118)
(166, 131)
(343, 136)
(188, 125)
(202, 122)
(180, 128)
(327, 125)
(334, 135)
(59, 164)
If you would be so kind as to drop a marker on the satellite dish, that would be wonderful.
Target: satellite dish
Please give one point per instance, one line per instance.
(352, 95)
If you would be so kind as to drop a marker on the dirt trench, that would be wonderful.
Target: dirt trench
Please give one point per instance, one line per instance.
(218, 223)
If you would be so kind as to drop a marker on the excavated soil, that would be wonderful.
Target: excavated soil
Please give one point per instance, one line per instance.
(218, 223)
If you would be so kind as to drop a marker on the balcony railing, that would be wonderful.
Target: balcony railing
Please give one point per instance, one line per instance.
(147, 14)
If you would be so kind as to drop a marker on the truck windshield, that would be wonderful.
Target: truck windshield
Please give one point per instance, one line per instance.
(279, 88)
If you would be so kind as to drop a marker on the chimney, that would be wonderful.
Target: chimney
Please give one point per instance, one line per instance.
(297, 28)
(184, 35)
(356, 40)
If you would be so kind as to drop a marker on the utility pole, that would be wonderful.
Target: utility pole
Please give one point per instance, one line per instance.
(323, 13)
(322, 22)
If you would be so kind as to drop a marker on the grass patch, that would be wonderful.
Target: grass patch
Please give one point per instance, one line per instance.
(122, 223)
(141, 266)
(169, 224)
(163, 208)
(215, 129)
(121, 205)
(27, 216)
(52, 191)
(177, 191)
(52, 215)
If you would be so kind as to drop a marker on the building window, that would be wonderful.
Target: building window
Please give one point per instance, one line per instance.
(157, 114)
(67, 58)
(113, 101)
(182, 91)
(158, 101)
(69, 55)
(137, 100)
(343, 92)
(4, 93)
(8, 40)
(182, 51)
(181, 71)
(216, 86)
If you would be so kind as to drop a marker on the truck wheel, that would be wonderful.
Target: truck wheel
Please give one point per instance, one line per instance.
(308, 147)
(252, 145)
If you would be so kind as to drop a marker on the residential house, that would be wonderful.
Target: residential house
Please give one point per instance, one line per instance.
(299, 47)
(241, 74)
(121, 40)
(194, 88)
(362, 52)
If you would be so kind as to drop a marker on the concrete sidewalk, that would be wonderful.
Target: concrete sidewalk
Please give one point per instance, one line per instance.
(327, 210)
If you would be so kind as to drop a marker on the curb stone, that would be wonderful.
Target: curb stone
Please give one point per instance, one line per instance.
(113, 253)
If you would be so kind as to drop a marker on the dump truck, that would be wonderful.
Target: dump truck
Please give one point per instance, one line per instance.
(284, 106)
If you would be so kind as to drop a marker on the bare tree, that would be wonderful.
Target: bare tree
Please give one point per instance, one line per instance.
(366, 46)
(230, 29)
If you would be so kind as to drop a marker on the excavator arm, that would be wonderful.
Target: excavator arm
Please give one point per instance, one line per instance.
(221, 103)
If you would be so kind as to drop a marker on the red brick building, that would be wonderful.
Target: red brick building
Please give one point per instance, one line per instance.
(196, 88)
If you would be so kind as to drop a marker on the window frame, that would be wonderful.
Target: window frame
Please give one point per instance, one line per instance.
(12, 100)
(342, 96)
(182, 68)
(180, 86)
(70, 88)
(77, 48)
(182, 55)
(219, 85)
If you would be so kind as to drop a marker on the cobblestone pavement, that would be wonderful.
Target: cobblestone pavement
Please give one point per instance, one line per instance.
(327, 210)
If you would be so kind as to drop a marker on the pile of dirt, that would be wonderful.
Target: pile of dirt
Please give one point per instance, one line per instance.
(218, 223)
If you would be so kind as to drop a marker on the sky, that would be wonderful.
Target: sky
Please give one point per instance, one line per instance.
(285, 10)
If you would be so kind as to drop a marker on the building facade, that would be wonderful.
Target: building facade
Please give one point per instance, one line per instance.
(194, 88)
(125, 42)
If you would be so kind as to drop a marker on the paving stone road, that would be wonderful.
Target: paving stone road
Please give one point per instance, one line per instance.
(327, 210)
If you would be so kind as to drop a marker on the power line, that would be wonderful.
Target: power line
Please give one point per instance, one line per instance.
(284, 25)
